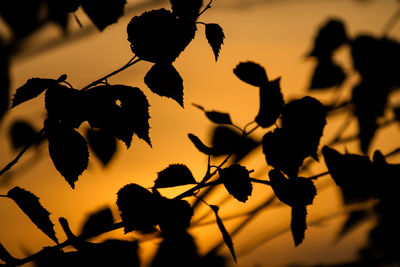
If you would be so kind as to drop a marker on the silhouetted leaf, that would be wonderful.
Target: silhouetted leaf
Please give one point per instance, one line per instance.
(271, 103)
(215, 37)
(219, 117)
(174, 216)
(237, 181)
(121, 110)
(157, 36)
(30, 205)
(186, 10)
(216, 116)
(370, 100)
(63, 5)
(31, 89)
(297, 193)
(22, 133)
(164, 80)
(66, 105)
(327, 74)
(294, 192)
(226, 140)
(225, 235)
(176, 250)
(352, 173)
(330, 36)
(68, 150)
(251, 73)
(103, 12)
(102, 143)
(96, 222)
(174, 175)
(199, 145)
(138, 208)
(298, 224)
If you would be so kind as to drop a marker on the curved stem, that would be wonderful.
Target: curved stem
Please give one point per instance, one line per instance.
(131, 62)
(207, 7)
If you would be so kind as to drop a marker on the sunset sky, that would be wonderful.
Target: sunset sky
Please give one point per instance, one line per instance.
(274, 33)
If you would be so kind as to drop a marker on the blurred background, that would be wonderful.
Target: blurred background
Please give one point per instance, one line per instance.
(277, 34)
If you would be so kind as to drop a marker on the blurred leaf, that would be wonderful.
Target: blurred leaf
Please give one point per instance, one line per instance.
(5, 255)
(66, 105)
(176, 250)
(138, 208)
(386, 178)
(251, 73)
(271, 103)
(157, 36)
(22, 133)
(186, 10)
(164, 80)
(219, 117)
(199, 145)
(96, 222)
(303, 121)
(63, 5)
(30, 205)
(236, 180)
(174, 175)
(327, 74)
(352, 173)
(120, 110)
(31, 89)
(103, 12)
(102, 143)
(68, 150)
(225, 235)
(370, 100)
(298, 224)
(215, 37)
(353, 220)
(226, 140)
(331, 35)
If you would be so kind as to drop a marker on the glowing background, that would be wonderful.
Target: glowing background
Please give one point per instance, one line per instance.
(275, 34)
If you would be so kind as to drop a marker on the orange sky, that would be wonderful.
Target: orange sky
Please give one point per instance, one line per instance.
(273, 33)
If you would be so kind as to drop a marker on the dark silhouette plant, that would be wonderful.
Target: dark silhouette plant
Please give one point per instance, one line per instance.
(292, 135)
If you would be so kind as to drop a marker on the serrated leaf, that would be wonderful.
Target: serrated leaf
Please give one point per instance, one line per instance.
(225, 235)
(22, 133)
(215, 37)
(102, 143)
(65, 104)
(174, 175)
(120, 110)
(298, 224)
(138, 208)
(164, 80)
(271, 103)
(31, 206)
(96, 222)
(31, 89)
(352, 173)
(327, 74)
(158, 36)
(103, 12)
(236, 180)
(251, 73)
(330, 36)
(68, 150)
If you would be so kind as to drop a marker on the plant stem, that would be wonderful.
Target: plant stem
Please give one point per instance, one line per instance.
(16, 159)
(260, 181)
(131, 62)
(3, 196)
(207, 7)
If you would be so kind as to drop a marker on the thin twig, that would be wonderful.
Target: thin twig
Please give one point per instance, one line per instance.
(205, 9)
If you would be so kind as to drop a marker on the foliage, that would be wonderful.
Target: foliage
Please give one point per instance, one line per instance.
(292, 131)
